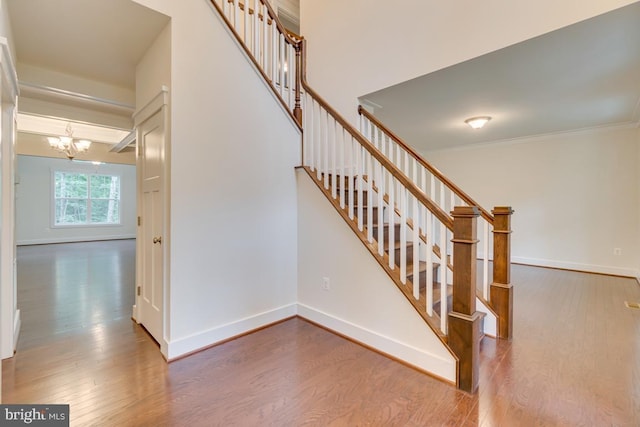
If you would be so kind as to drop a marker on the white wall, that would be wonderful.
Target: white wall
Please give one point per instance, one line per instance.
(362, 302)
(359, 46)
(34, 199)
(575, 195)
(233, 191)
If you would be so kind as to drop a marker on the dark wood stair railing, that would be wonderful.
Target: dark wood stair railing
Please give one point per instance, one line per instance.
(498, 295)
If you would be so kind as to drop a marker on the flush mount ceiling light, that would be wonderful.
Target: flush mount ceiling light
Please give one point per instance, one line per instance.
(67, 145)
(477, 122)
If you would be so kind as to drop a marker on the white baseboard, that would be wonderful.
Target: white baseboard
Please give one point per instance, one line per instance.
(204, 339)
(575, 266)
(490, 320)
(52, 240)
(445, 369)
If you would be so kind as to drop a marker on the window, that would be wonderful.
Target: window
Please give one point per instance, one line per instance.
(86, 199)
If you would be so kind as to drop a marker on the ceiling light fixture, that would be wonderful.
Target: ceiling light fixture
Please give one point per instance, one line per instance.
(477, 122)
(67, 145)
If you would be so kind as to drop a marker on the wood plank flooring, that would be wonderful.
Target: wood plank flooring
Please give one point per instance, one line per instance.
(574, 360)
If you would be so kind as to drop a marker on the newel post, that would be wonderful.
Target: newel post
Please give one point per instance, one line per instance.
(464, 321)
(297, 109)
(501, 296)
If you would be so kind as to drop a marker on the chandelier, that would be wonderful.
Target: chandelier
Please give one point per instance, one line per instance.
(67, 145)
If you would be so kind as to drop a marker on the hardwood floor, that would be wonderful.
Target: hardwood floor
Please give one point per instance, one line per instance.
(574, 359)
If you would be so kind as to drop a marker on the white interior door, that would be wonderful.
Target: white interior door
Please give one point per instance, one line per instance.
(151, 141)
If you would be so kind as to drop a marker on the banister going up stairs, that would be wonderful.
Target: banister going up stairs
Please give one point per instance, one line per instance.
(418, 225)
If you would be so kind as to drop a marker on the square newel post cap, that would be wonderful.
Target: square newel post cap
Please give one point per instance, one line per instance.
(465, 211)
(502, 210)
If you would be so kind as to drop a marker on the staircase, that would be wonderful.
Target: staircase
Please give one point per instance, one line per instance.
(382, 224)
(419, 226)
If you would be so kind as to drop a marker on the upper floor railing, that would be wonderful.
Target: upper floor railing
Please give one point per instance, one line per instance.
(274, 50)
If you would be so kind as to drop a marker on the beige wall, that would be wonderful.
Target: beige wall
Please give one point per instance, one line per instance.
(233, 191)
(362, 302)
(359, 46)
(575, 195)
(34, 200)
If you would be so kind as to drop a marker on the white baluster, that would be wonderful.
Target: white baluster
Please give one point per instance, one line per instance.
(432, 191)
(403, 205)
(283, 47)
(255, 30)
(275, 34)
(453, 201)
(370, 167)
(236, 6)
(380, 219)
(429, 281)
(444, 274)
(342, 172)
(265, 38)
(485, 260)
(391, 222)
(360, 160)
(246, 22)
(318, 136)
(416, 249)
(287, 76)
(325, 148)
(352, 176)
(406, 164)
(309, 134)
(334, 185)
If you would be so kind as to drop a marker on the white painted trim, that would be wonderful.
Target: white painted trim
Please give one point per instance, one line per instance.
(8, 69)
(575, 266)
(17, 322)
(9, 314)
(490, 320)
(204, 339)
(153, 106)
(425, 361)
(74, 239)
(66, 94)
(157, 105)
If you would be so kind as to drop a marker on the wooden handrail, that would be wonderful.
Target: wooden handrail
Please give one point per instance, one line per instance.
(453, 187)
(442, 216)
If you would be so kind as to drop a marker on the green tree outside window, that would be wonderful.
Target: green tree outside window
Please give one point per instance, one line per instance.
(85, 199)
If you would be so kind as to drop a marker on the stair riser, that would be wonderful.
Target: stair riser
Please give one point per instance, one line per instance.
(385, 233)
(365, 216)
(409, 255)
(423, 276)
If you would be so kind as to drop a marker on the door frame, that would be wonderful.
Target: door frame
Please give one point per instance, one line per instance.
(9, 313)
(159, 103)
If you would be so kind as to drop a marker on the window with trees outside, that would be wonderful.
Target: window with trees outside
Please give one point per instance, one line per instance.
(86, 199)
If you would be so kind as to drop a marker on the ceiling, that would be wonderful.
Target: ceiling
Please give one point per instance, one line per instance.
(94, 39)
(582, 76)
